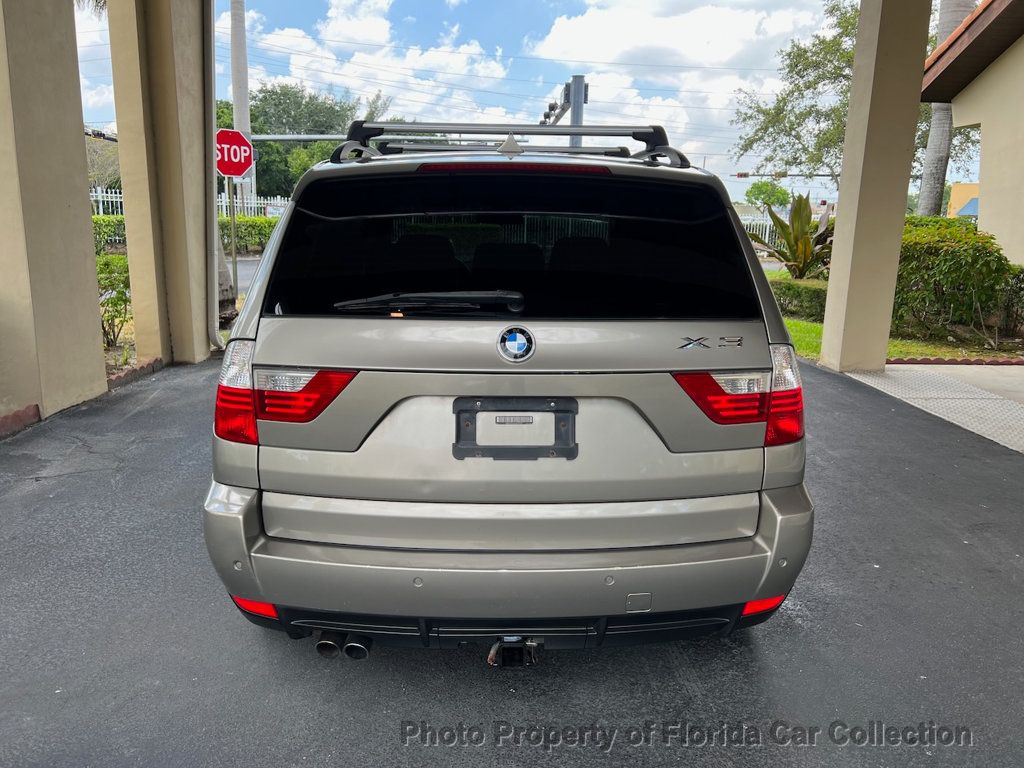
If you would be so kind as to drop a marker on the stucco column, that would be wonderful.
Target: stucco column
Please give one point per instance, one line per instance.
(158, 64)
(877, 156)
(51, 349)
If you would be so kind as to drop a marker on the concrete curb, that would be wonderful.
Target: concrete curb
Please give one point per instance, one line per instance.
(134, 373)
(953, 361)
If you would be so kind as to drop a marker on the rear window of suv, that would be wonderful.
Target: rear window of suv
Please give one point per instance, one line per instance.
(576, 246)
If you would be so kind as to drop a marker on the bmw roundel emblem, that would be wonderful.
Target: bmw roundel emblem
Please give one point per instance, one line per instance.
(515, 344)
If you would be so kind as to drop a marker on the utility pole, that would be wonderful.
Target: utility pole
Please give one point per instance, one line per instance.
(577, 98)
(240, 85)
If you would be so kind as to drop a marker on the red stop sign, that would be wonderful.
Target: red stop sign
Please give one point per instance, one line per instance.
(234, 153)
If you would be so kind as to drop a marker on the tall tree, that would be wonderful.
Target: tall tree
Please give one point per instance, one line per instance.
(98, 7)
(940, 134)
(802, 128)
(291, 109)
(766, 193)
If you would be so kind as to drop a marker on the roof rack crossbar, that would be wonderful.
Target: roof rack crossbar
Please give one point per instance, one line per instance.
(653, 136)
(395, 148)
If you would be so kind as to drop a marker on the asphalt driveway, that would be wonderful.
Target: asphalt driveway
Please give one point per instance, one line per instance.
(120, 647)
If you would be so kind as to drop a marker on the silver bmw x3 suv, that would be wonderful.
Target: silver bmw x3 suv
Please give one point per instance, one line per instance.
(520, 396)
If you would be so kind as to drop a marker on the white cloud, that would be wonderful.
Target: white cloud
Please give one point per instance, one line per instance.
(425, 83)
(704, 36)
(94, 97)
(454, 3)
(704, 51)
(350, 22)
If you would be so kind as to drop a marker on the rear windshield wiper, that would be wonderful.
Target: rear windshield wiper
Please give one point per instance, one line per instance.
(436, 300)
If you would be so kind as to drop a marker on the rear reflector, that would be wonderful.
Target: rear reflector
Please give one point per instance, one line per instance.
(513, 167)
(774, 398)
(255, 606)
(760, 606)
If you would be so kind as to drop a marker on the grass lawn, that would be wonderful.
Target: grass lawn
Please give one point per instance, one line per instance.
(807, 340)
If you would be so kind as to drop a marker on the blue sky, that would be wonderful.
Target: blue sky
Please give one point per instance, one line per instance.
(673, 62)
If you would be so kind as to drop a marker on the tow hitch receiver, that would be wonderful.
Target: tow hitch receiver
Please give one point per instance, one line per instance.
(514, 651)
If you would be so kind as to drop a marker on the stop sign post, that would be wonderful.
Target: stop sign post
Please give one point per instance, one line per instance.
(234, 158)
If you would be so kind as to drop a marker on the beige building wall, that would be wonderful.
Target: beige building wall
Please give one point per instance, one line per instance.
(961, 193)
(51, 352)
(995, 101)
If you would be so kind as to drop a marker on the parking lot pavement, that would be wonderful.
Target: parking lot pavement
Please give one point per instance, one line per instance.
(120, 647)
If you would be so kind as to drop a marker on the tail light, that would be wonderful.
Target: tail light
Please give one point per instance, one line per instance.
(234, 418)
(245, 394)
(516, 167)
(296, 394)
(775, 398)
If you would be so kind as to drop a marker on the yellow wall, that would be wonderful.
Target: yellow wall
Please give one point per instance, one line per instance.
(993, 101)
(51, 351)
(961, 194)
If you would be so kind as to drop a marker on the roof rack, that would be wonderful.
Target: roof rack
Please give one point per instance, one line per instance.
(653, 136)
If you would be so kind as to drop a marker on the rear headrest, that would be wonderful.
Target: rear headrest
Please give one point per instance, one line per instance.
(424, 253)
(508, 257)
(580, 253)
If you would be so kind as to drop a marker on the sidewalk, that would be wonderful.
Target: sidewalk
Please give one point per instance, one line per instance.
(987, 400)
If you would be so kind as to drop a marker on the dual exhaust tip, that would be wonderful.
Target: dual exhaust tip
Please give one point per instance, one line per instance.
(331, 645)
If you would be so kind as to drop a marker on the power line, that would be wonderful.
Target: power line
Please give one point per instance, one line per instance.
(478, 105)
(454, 52)
(353, 63)
(287, 69)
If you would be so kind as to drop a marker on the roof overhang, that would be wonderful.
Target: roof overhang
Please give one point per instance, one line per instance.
(982, 38)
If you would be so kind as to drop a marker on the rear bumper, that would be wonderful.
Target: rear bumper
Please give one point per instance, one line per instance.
(497, 588)
(552, 634)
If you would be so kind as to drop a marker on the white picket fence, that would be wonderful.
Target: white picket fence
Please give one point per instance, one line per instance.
(761, 226)
(108, 202)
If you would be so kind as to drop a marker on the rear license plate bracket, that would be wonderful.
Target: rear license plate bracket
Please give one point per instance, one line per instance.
(562, 446)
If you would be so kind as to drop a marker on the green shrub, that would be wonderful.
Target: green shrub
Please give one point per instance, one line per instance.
(941, 222)
(800, 298)
(948, 275)
(115, 295)
(251, 232)
(106, 229)
(1012, 300)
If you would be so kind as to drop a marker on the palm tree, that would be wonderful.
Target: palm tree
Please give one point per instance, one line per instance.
(940, 135)
(99, 7)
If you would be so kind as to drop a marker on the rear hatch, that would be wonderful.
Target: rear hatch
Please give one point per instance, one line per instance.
(527, 387)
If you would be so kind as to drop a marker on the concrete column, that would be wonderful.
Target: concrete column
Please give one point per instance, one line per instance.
(157, 52)
(51, 349)
(877, 156)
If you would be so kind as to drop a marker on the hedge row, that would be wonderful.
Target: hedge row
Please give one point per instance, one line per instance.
(800, 298)
(252, 232)
(949, 274)
(105, 230)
